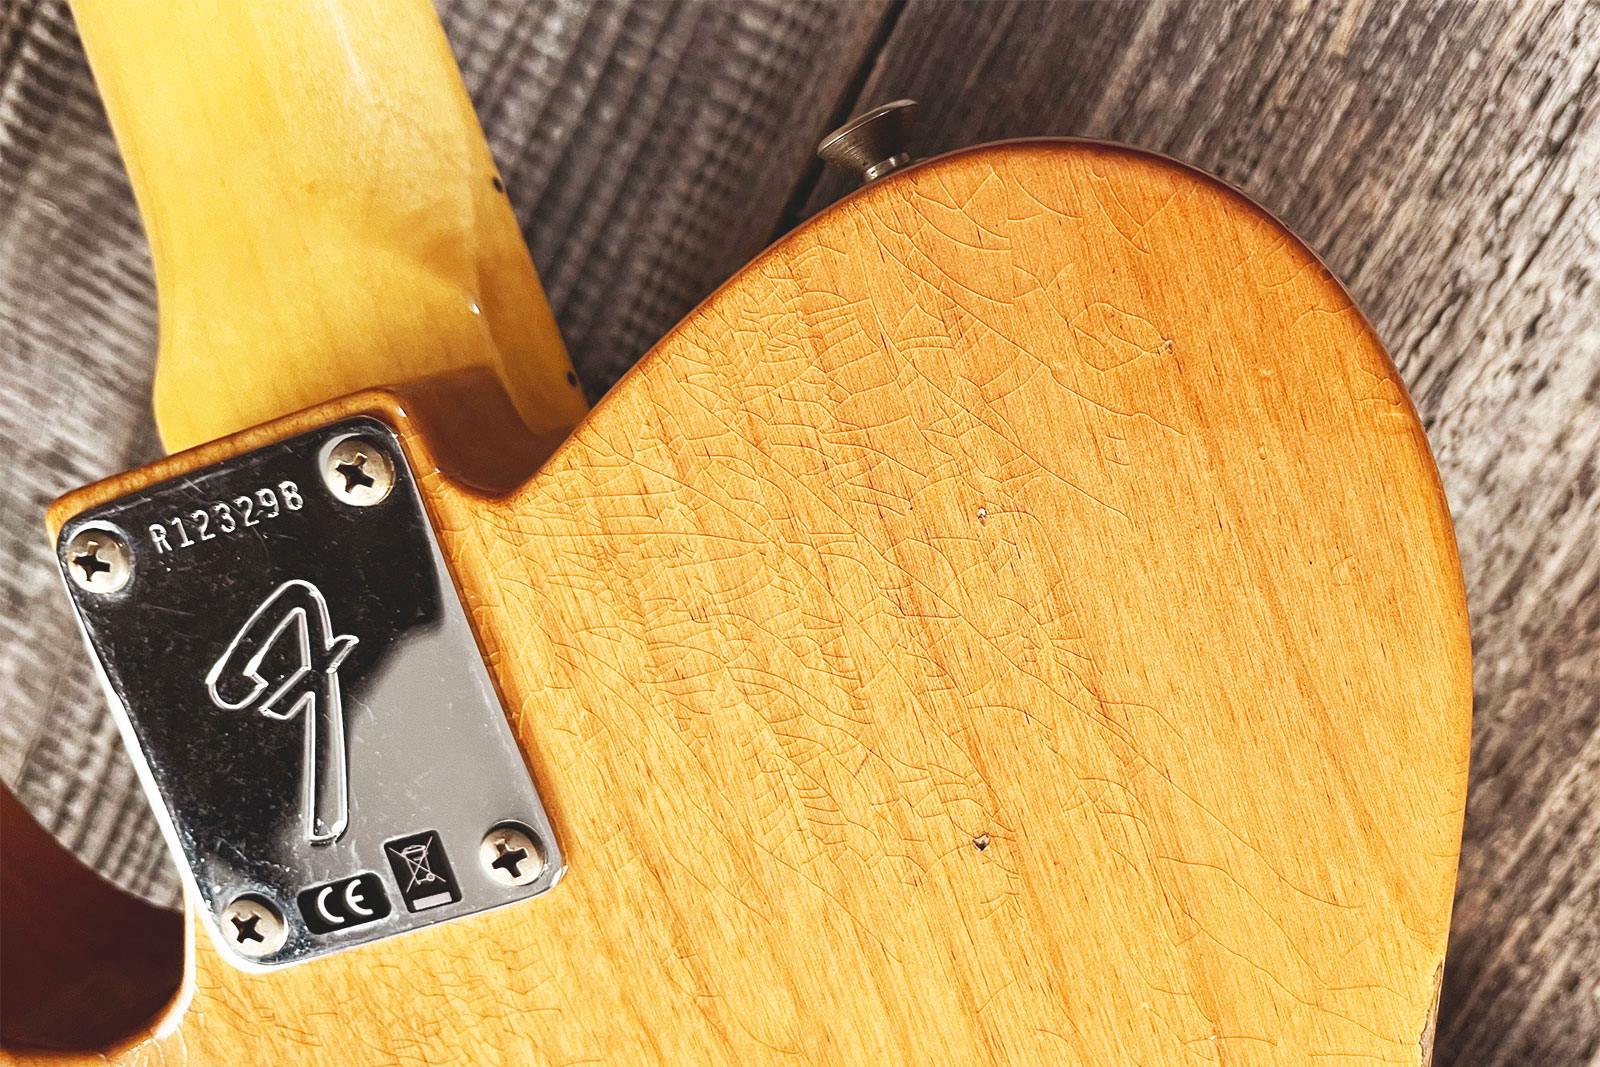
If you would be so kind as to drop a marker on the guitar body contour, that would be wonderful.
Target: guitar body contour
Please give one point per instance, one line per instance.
(1015, 620)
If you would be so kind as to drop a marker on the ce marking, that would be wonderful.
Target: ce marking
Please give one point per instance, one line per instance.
(340, 905)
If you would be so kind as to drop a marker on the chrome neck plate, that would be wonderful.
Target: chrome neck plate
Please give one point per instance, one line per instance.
(290, 664)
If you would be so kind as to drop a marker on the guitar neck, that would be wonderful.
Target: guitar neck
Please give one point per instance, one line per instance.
(323, 212)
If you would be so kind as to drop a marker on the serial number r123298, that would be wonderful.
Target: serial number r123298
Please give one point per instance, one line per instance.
(224, 517)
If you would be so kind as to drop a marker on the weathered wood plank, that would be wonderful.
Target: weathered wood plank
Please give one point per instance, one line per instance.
(77, 329)
(1445, 160)
(648, 148)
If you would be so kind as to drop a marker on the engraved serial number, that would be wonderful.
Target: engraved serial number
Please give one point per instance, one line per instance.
(223, 517)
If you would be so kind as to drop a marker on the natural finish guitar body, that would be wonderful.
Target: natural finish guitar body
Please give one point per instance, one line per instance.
(1015, 620)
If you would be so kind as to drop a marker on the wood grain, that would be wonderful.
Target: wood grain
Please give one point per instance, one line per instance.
(1440, 156)
(648, 150)
(953, 644)
(1443, 159)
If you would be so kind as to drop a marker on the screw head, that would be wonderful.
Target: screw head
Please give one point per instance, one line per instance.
(874, 143)
(511, 855)
(358, 471)
(98, 560)
(253, 926)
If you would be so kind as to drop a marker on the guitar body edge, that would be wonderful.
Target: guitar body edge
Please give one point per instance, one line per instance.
(1015, 620)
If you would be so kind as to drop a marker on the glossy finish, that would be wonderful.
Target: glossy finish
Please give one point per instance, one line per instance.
(323, 213)
(307, 702)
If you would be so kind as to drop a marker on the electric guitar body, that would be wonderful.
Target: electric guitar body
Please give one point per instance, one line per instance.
(1016, 619)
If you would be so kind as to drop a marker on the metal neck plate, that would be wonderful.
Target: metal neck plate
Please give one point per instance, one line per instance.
(290, 664)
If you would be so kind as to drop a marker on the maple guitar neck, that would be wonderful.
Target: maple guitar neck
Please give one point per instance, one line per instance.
(322, 210)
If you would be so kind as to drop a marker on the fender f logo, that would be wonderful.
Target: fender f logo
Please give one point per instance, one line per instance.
(305, 683)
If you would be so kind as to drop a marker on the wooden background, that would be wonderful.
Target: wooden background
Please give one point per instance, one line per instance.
(1443, 157)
